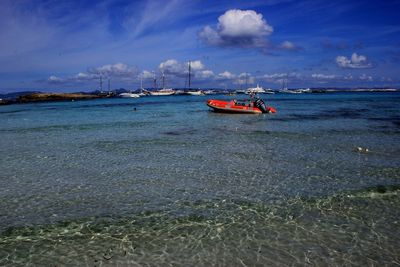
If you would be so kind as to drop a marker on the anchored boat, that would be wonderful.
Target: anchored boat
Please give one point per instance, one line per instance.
(250, 106)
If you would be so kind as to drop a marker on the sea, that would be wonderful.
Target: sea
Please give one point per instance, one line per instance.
(164, 181)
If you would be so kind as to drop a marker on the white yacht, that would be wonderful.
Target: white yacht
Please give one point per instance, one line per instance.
(305, 90)
(196, 92)
(131, 95)
(255, 90)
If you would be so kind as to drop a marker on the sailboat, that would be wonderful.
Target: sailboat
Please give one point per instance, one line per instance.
(286, 90)
(193, 92)
(125, 95)
(142, 91)
(164, 91)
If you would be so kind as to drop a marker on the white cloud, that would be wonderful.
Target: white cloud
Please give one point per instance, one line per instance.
(275, 76)
(210, 36)
(286, 45)
(205, 74)
(355, 62)
(280, 76)
(54, 79)
(173, 67)
(348, 77)
(238, 23)
(114, 70)
(147, 74)
(319, 76)
(238, 28)
(366, 78)
(118, 71)
(226, 75)
(245, 78)
(196, 65)
(83, 76)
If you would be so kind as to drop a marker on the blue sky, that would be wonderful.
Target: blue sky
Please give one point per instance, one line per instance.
(67, 45)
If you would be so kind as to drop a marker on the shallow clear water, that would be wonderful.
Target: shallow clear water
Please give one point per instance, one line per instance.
(98, 183)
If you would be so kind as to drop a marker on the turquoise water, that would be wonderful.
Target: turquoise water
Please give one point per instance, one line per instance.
(171, 183)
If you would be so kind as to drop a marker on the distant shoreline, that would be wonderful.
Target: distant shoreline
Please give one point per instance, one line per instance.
(48, 97)
(34, 97)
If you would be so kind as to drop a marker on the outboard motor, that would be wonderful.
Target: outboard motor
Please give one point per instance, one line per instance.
(261, 105)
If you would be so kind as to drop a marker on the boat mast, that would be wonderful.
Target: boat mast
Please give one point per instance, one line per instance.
(155, 81)
(141, 81)
(101, 84)
(163, 80)
(109, 86)
(189, 74)
(287, 82)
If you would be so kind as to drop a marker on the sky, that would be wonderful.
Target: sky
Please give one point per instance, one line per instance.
(50, 45)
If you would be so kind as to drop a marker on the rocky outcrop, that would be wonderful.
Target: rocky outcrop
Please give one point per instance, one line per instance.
(4, 102)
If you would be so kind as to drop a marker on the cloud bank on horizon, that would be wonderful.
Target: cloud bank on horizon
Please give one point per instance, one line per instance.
(69, 45)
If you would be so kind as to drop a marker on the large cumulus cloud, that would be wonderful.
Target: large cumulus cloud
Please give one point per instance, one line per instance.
(238, 28)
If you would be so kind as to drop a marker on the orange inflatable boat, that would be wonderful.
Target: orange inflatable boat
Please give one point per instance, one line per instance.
(240, 106)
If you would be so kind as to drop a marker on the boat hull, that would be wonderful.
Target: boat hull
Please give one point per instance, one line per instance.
(129, 95)
(197, 93)
(230, 107)
(162, 92)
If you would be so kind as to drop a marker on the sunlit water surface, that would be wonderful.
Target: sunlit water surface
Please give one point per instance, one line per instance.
(172, 183)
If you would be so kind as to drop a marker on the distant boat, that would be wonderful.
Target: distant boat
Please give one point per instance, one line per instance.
(162, 92)
(286, 90)
(240, 91)
(190, 91)
(179, 92)
(290, 91)
(131, 95)
(209, 92)
(143, 92)
(305, 90)
(255, 90)
(197, 92)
